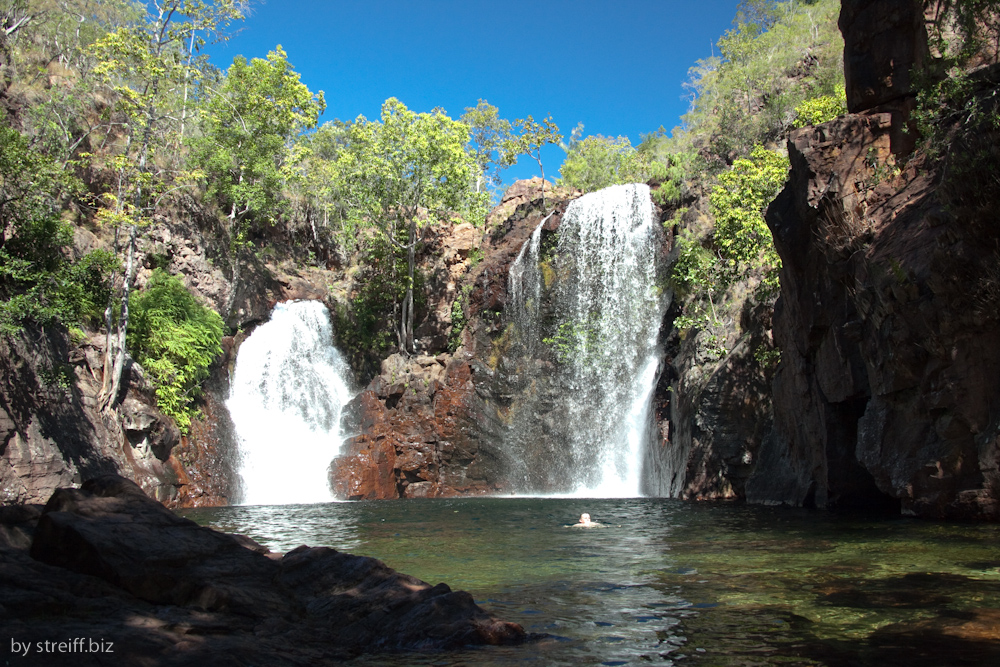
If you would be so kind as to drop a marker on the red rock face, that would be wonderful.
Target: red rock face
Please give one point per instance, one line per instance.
(203, 461)
(419, 447)
(424, 428)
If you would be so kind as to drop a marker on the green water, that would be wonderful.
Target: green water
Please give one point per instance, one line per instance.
(665, 582)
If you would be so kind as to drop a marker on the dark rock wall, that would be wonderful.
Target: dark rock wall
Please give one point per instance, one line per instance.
(53, 435)
(888, 391)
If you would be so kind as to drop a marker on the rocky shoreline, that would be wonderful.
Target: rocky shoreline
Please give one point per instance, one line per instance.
(104, 574)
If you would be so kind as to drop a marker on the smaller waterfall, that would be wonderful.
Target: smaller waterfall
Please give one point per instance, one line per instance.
(583, 323)
(286, 398)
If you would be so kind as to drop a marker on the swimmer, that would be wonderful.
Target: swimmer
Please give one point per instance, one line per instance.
(585, 522)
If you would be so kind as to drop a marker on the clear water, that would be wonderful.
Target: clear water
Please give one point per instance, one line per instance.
(672, 583)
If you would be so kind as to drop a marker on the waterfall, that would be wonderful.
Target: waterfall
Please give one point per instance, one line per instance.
(287, 393)
(583, 322)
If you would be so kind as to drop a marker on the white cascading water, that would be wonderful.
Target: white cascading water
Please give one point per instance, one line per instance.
(287, 394)
(599, 319)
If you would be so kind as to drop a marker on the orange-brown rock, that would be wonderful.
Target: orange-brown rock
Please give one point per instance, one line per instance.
(416, 439)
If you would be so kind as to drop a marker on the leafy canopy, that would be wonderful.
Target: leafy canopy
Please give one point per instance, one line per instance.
(249, 124)
(406, 160)
(598, 162)
(488, 133)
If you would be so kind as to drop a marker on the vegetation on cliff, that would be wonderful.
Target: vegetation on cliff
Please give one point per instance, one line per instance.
(116, 120)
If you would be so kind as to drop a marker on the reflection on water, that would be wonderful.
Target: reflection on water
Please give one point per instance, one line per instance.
(666, 582)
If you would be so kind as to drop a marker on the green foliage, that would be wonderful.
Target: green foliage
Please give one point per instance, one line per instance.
(175, 339)
(693, 269)
(248, 124)
(366, 326)
(488, 133)
(741, 236)
(37, 281)
(598, 162)
(820, 109)
(742, 246)
(777, 56)
(407, 160)
(315, 185)
(529, 138)
(767, 357)
(959, 31)
(389, 169)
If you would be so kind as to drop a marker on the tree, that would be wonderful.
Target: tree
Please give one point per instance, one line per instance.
(488, 133)
(37, 280)
(249, 124)
(392, 168)
(598, 162)
(530, 138)
(315, 185)
(145, 66)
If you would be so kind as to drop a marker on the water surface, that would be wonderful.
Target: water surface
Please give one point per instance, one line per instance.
(672, 583)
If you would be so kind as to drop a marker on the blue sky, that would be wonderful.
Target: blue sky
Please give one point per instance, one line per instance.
(616, 66)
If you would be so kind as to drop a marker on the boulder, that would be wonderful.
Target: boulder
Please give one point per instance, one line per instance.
(106, 561)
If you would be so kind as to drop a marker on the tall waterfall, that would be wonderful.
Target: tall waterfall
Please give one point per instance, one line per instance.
(287, 394)
(583, 323)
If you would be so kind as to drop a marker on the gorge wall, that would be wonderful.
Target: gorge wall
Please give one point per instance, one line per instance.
(888, 391)
(887, 394)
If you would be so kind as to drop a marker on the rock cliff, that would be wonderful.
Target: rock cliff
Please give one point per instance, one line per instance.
(889, 385)
(431, 426)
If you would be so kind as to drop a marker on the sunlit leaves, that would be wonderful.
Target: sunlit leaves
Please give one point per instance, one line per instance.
(597, 162)
(742, 237)
(249, 125)
(175, 339)
(821, 109)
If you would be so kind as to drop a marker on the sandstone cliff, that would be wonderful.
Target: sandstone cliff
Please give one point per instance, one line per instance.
(431, 426)
(888, 390)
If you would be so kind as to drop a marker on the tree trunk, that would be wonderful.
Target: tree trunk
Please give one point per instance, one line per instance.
(411, 263)
(539, 159)
(111, 399)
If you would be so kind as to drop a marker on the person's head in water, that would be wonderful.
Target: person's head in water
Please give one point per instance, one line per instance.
(585, 519)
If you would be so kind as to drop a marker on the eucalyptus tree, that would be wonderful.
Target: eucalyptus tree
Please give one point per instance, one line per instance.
(249, 124)
(489, 134)
(392, 170)
(146, 67)
(530, 138)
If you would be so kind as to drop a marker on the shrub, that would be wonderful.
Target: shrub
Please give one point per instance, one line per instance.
(37, 281)
(821, 109)
(743, 240)
(175, 339)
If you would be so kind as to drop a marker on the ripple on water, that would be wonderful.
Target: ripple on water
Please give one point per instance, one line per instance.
(676, 583)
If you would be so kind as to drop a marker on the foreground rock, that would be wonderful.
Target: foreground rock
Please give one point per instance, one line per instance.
(111, 566)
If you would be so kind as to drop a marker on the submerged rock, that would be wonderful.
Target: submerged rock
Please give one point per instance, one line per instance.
(109, 564)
